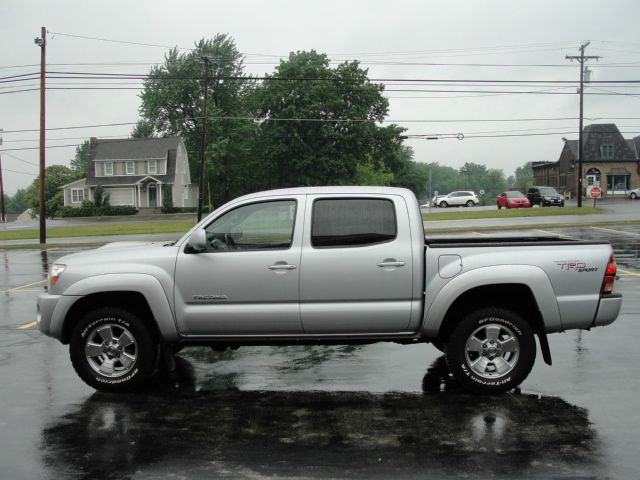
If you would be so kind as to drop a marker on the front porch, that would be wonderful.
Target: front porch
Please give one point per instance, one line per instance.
(148, 193)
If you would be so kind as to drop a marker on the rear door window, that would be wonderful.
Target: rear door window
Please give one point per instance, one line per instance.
(352, 222)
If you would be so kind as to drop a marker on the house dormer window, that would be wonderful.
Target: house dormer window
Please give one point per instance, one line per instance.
(130, 168)
(606, 151)
(108, 169)
(152, 166)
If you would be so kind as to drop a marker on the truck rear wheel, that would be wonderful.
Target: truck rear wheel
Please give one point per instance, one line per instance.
(492, 350)
(112, 350)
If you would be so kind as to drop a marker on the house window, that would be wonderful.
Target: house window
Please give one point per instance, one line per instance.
(618, 183)
(153, 166)
(606, 151)
(131, 168)
(108, 169)
(77, 195)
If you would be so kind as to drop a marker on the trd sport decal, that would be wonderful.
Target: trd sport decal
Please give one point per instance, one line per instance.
(575, 265)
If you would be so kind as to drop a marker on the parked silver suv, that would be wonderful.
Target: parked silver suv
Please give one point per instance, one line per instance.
(456, 199)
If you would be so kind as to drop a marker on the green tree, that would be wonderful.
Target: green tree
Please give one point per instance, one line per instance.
(478, 177)
(524, 177)
(319, 124)
(172, 103)
(100, 198)
(80, 163)
(55, 177)
(17, 203)
(143, 129)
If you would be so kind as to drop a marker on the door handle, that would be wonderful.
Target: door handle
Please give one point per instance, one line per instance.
(391, 263)
(282, 266)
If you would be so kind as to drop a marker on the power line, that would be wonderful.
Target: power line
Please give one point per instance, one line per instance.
(125, 42)
(19, 91)
(18, 171)
(72, 127)
(22, 160)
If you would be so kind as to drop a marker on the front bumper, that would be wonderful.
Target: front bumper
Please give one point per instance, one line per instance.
(608, 309)
(52, 311)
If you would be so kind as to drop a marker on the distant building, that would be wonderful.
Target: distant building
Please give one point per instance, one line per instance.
(609, 161)
(134, 171)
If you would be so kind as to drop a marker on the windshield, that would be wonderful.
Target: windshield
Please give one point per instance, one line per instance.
(514, 194)
(548, 191)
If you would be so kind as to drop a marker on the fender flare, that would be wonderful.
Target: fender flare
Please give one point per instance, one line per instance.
(146, 285)
(531, 276)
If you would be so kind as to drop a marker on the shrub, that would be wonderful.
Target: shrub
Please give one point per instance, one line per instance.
(112, 210)
(88, 209)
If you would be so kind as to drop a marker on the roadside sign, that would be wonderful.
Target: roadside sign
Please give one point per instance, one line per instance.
(596, 192)
(436, 193)
(481, 192)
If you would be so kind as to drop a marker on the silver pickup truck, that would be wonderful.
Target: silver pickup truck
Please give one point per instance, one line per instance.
(325, 265)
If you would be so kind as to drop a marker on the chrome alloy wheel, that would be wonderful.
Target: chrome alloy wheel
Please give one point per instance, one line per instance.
(492, 350)
(111, 350)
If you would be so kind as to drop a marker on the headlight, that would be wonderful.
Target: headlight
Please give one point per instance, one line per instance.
(56, 271)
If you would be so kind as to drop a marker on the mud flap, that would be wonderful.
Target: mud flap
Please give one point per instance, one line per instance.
(544, 347)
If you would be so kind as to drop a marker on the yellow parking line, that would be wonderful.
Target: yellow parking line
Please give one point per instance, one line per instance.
(627, 272)
(28, 325)
(24, 286)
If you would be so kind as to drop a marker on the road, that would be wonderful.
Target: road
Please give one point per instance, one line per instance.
(375, 411)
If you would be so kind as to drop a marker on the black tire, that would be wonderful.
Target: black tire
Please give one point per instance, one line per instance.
(562, 204)
(499, 207)
(115, 335)
(475, 364)
(443, 204)
(470, 203)
(634, 196)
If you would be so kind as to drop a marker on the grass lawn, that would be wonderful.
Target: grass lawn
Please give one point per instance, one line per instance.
(468, 213)
(167, 226)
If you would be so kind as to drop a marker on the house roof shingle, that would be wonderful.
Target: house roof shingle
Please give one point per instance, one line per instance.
(132, 149)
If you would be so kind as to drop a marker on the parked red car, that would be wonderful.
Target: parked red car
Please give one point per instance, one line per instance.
(513, 199)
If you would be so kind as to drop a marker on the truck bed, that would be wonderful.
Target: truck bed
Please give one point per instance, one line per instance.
(441, 242)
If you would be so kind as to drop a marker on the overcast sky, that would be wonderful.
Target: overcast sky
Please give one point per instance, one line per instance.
(395, 40)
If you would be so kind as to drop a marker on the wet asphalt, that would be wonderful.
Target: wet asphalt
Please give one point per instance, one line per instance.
(376, 411)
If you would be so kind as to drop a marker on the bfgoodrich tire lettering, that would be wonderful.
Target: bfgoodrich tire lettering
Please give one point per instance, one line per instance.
(112, 350)
(492, 350)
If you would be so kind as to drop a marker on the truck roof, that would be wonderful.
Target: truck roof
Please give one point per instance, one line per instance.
(346, 190)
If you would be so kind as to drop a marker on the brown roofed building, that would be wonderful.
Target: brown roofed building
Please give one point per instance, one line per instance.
(610, 162)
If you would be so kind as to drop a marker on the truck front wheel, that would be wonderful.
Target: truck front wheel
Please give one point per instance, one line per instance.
(112, 350)
(492, 350)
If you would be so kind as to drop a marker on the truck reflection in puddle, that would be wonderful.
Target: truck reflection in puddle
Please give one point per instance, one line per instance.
(173, 428)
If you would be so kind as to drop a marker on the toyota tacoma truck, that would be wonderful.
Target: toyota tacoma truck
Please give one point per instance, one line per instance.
(325, 265)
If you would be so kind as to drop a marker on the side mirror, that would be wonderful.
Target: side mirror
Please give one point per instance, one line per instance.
(198, 241)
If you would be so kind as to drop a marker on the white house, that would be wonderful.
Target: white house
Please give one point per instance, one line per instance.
(133, 172)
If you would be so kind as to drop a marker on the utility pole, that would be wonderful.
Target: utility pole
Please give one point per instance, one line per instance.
(3, 217)
(42, 43)
(582, 59)
(203, 140)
